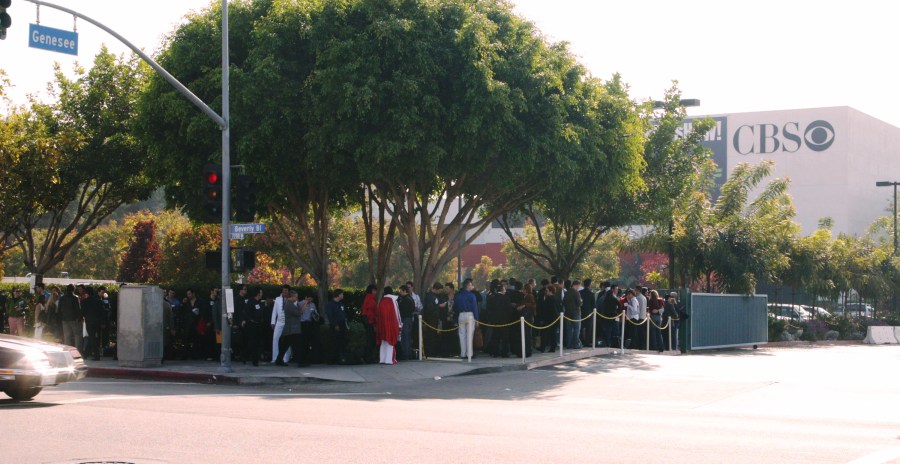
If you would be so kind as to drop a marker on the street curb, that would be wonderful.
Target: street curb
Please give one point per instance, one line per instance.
(256, 381)
(803, 343)
(280, 380)
(146, 374)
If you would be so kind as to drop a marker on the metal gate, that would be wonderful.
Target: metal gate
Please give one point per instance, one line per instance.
(721, 321)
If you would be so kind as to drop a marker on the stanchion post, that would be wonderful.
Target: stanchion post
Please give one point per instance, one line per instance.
(562, 319)
(594, 331)
(522, 323)
(647, 338)
(622, 335)
(421, 342)
(669, 326)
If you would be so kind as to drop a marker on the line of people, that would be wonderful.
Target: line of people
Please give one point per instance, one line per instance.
(275, 330)
(79, 316)
(503, 302)
(278, 329)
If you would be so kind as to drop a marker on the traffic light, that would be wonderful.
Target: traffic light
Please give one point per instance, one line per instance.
(212, 192)
(244, 198)
(5, 20)
(244, 260)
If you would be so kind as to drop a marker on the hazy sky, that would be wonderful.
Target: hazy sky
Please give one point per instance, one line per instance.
(733, 56)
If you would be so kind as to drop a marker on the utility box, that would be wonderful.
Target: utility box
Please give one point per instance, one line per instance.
(140, 326)
(723, 321)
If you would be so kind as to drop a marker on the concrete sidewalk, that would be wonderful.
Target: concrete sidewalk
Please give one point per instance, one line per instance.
(270, 374)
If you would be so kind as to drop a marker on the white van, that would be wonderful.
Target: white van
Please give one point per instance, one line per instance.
(859, 310)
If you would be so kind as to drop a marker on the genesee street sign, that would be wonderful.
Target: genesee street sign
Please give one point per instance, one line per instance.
(55, 40)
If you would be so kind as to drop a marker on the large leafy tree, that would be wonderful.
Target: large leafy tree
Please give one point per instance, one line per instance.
(616, 176)
(271, 60)
(180, 139)
(600, 262)
(594, 187)
(439, 105)
(71, 163)
(8, 158)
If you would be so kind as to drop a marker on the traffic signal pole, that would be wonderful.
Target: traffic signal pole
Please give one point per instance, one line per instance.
(223, 123)
(225, 357)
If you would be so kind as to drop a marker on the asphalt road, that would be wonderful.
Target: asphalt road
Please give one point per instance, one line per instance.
(815, 405)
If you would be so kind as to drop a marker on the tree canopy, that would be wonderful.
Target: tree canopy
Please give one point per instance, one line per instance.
(450, 109)
(71, 163)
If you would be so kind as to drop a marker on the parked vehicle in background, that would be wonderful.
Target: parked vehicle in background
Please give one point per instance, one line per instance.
(816, 312)
(788, 312)
(859, 310)
(28, 365)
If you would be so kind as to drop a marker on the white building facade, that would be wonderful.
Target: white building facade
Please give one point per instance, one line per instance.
(832, 156)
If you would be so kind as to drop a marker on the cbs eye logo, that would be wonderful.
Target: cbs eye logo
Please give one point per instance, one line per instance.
(819, 135)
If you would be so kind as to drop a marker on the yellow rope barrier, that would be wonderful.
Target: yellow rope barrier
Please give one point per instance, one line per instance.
(555, 321)
(578, 320)
(637, 323)
(498, 326)
(437, 329)
(658, 327)
(607, 318)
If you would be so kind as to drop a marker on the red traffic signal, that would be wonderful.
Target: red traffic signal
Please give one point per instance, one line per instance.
(212, 193)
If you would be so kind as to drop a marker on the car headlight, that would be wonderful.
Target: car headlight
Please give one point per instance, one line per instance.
(33, 360)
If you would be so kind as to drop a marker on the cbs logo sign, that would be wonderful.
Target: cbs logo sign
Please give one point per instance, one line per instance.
(817, 136)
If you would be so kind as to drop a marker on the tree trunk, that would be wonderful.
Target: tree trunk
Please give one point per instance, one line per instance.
(380, 232)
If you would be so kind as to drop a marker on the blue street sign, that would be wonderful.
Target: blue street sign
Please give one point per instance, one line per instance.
(55, 40)
(258, 228)
(235, 236)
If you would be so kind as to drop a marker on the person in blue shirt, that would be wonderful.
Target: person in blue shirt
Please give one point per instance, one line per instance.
(466, 306)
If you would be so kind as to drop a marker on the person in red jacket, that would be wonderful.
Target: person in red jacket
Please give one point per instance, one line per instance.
(387, 327)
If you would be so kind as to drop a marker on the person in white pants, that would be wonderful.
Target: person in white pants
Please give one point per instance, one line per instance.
(278, 323)
(467, 306)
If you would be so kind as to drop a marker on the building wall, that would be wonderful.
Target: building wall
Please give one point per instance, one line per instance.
(833, 157)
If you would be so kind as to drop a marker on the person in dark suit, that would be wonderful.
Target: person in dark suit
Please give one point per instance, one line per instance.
(192, 338)
(252, 317)
(588, 304)
(337, 321)
(435, 303)
(500, 310)
(94, 320)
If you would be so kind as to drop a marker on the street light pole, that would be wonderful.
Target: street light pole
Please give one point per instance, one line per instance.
(884, 183)
(892, 184)
(685, 103)
(225, 355)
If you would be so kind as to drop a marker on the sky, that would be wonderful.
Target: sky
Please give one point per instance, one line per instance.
(732, 56)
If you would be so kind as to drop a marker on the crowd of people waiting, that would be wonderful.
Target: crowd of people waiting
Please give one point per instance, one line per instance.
(455, 323)
(77, 316)
(499, 307)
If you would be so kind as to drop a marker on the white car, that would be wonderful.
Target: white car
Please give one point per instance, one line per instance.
(28, 365)
(788, 312)
(817, 312)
